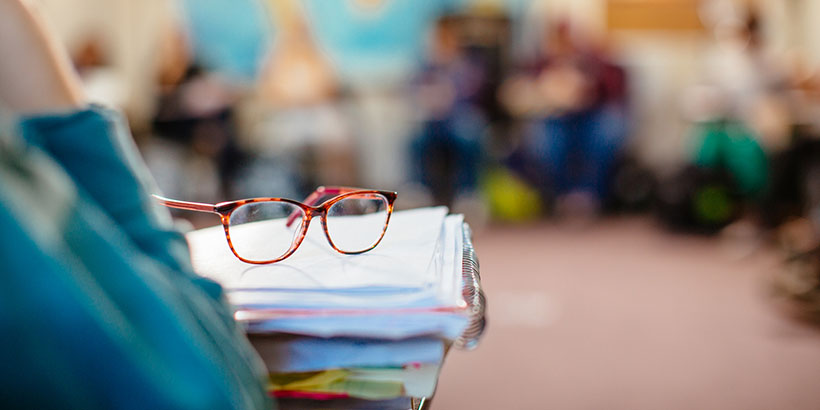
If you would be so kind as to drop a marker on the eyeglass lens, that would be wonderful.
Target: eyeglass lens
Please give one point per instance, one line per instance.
(259, 231)
(356, 222)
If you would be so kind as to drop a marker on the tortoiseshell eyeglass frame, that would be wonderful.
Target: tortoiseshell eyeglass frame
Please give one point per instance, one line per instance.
(309, 210)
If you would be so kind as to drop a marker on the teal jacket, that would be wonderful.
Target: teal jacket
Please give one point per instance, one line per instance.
(99, 306)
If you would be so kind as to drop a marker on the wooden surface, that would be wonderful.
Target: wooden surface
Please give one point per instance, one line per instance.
(663, 15)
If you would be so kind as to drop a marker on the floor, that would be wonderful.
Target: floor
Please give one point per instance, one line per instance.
(623, 315)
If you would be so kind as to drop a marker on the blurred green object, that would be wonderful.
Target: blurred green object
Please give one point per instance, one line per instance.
(510, 199)
(713, 205)
(730, 145)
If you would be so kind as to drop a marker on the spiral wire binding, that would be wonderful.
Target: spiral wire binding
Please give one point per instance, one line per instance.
(472, 293)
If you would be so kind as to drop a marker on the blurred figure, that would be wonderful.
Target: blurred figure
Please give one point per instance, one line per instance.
(101, 81)
(296, 115)
(197, 115)
(580, 97)
(752, 82)
(446, 154)
(375, 48)
(742, 159)
(194, 153)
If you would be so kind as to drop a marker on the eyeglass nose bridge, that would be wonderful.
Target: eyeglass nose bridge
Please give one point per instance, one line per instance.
(321, 213)
(314, 212)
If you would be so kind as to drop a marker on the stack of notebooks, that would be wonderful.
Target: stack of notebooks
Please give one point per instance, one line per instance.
(356, 331)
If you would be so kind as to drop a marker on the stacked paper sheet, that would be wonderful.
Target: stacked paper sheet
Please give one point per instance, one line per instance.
(371, 326)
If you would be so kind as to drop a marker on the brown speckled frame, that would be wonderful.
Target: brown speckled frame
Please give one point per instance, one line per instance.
(224, 210)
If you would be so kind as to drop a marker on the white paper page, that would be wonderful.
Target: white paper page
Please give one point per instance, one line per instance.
(444, 290)
(379, 298)
(449, 285)
(401, 260)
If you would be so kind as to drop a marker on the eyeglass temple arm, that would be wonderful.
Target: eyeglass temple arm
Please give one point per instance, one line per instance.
(191, 206)
(316, 195)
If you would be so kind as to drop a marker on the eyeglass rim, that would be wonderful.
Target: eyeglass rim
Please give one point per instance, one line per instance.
(225, 209)
(333, 201)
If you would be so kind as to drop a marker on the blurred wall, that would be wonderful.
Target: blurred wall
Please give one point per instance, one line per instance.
(809, 11)
(130, 33)
(663, 63)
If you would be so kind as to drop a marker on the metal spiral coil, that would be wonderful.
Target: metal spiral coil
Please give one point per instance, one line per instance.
(472, 293)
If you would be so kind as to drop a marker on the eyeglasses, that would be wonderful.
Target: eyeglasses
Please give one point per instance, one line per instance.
(267, 230)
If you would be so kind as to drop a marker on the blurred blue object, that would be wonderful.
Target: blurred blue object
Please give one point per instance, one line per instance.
(229, 36)
(382, 41)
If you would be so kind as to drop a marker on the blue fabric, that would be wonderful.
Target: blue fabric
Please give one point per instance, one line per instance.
(99, 307)
(576, 151)
(448, 151)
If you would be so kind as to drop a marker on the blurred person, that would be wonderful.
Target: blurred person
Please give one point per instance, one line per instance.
(742, 130)
(210, 63)
(190, 148)
(446, 154)
(196, 114)
(375, 47)
(295, 72)
(100, 307)
(753, 81)
(296, 113)
(578, 97)
(102, 82)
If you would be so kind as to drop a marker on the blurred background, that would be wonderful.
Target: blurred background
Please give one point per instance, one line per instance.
(643, 175)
